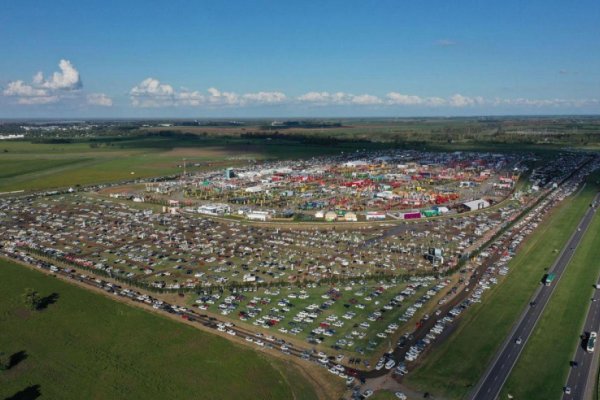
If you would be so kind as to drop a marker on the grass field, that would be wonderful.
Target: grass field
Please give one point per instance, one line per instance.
(25, 165)
(85, 346)
(582, 131)
(383, 395)
(542, 369)
(465, 355)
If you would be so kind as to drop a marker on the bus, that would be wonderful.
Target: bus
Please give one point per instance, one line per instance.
(591, 343)
(548, 279)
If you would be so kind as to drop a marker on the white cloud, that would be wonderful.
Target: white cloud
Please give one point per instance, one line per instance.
(366, 99)
(151, 86)
(27, 94)
(391, 99)
(222, 98)
(395, 98)
(459, 100)
(189, 98)
(435, 101)
(67, 79)
(46, 91)
(152, 93)
(265, 98)
(38, 78)
(316, 97)
(546, 102)
(99, 99)
(338, 98)
(38, 100)
(19, 88)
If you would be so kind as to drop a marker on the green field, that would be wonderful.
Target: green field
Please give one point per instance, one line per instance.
(546, 356)
(25, 165)
(383, 395)
(463, 358)
(85, 346)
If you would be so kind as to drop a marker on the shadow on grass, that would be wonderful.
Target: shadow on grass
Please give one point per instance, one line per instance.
(17, 358)
(29, 393)
(47, 301)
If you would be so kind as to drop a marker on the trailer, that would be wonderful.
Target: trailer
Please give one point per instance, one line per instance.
(412, 215)
(549, 278)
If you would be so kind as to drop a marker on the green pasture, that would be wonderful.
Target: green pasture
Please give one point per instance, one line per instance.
(85, 346)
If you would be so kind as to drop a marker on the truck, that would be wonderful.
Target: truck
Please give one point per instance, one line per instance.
(591, 342)
(548, 278)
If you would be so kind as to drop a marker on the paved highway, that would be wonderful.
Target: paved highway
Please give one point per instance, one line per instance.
(490, 385)
(584, 369)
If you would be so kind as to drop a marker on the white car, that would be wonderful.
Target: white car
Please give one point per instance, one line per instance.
(567, 389)
(519, 340)
(400, 395)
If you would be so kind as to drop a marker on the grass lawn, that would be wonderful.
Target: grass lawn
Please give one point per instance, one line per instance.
(13, 168)
(85, 346)
(543, 367)
(383, 395)
(454, 366)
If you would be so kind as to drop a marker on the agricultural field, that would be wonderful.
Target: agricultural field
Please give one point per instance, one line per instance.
(463, 357)
(98, 348)
(35, 166)
(496, 131)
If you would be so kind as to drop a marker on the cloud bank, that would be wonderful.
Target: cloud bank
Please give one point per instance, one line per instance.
(99, 99)
(27, 94)
(66, 84)
(152, 93)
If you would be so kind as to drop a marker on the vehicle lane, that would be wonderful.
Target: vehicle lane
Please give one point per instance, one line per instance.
(584, 365)
(492, 382)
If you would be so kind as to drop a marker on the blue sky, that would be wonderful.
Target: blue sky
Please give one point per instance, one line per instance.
(305, 58)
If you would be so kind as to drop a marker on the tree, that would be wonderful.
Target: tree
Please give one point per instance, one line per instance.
(31, 298)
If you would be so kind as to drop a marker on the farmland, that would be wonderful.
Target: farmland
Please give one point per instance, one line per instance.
(500, 130)
(35, 166)
(101, 349)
